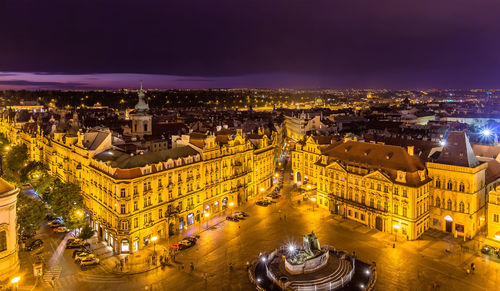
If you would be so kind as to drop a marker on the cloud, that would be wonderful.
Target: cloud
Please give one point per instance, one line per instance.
(59, 85)
(7, 74)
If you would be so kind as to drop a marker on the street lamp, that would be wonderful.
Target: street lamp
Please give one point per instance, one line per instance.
(206, 217)
(154, 239)
(231, 204)
(313, 199)
(396, 228)
(15, 281)
(79, 213)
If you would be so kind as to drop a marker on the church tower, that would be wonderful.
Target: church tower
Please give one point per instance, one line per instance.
(141, 120)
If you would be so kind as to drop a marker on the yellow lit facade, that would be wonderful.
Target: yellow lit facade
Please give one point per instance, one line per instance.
(493, 237)
(383, 187)
(131, 198)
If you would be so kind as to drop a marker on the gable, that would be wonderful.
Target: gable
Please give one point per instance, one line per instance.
(377, 175)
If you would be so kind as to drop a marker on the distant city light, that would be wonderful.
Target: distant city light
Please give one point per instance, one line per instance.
(442, 143)
(486, 132)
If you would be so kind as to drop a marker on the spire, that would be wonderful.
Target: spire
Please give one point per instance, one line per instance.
(141, 106)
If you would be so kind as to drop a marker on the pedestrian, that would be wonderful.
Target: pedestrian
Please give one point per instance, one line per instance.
(126, 260)
(192, 267)
(473, 267)
(183, 266)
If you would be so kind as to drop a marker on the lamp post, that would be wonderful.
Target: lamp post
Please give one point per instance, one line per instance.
(313, 199)
(262, 191)
(15, 281)
(154, 239)
(231, 204)
(206, 217)
(396, 228)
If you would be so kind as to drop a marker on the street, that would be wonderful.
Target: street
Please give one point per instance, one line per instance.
(410, 265)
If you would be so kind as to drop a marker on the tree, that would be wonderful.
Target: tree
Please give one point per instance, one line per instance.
(67, 202)
(15, 160)
(30, 213)
(87, 232)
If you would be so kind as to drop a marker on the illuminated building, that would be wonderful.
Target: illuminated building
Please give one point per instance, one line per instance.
(132, 196)
(9, 260)
(381, 186)
(458, 189)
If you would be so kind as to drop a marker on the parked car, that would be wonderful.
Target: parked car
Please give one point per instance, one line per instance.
(83, 255)
(89, 261)
(55, 223)
(232, 218)
(77, 252)
(60, 229)
(77, 244)
(262, 202)
(179, 246)
(186, 243)
(238, 216)
(34, 245)
(244, 214)
(192, 238)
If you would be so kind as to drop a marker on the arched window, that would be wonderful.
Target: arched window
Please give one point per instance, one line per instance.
(379, 206)
(363, 199)
(438, 183)
(448, 204)
(461, 188)
(356, 197)
(449, 185)
(372, 202)
(438, 202)
(461, 207)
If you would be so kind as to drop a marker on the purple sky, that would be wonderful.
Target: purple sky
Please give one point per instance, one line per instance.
(249, 43)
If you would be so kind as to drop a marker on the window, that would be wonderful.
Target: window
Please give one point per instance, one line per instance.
(3, 241)
(122, 209)
(136, 222)
(461, 188)
(396, 210)
(145, 187)
(122, 193)
(160, 213)
(124, 224)
(159, 183)
(405, 212)
(362, 216)
(461, 207)
(405, 193)
(146, 218)
(396, 191)
(438, 183)
(372, 202)
(379, 205)
(448, 204)
(386, 188)
(495, 217)
(160, 199)
(135, 190)
(449, 186)
(363, 199)
(438, 202)
(136, 207)
(386, 206)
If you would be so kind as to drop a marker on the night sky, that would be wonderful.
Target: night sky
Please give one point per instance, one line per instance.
(255, 43)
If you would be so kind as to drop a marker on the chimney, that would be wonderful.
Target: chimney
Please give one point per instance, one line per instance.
(411, 150)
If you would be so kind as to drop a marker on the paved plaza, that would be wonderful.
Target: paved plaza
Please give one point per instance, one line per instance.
(435, 259)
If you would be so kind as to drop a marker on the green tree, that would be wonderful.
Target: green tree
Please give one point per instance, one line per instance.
(15, 159)
(67, 202)
(87, 232)
(30, 213)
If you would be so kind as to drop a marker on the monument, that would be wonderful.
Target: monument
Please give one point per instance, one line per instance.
(310, 266)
